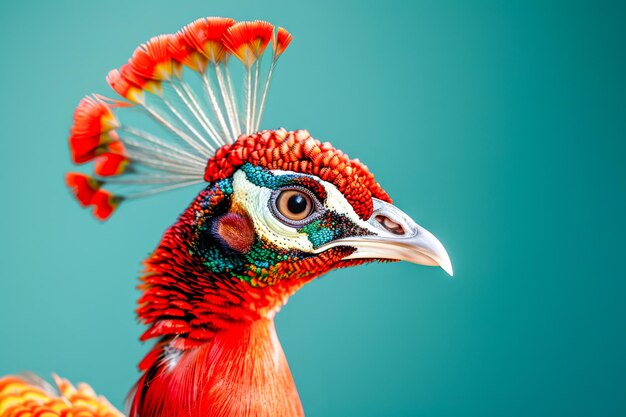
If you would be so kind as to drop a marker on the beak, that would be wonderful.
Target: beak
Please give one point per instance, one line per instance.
(395, 236)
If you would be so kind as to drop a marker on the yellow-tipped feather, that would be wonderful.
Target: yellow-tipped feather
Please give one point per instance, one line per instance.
(27, 396)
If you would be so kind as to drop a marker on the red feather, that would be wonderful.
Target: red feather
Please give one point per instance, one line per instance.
(104, 204)
(248, 40)
(93, 126)
(110, 164)
(241, 372)
(83, 186)
(182, 52)
(153, 59)
(92, 117)
(281, 41)
(85, 149)
(124, 88)
(205, 36)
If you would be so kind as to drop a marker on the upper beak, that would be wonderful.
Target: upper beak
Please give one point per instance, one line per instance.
(395, 236)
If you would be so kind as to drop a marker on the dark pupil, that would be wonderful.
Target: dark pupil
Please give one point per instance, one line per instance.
(296, 204)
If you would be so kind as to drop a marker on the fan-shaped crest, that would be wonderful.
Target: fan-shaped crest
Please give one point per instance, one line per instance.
(181, 119)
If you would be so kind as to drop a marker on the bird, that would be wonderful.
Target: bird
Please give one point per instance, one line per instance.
(276, 209)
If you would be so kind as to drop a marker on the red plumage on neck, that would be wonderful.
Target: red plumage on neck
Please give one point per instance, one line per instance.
(218, 353)
(242, 371)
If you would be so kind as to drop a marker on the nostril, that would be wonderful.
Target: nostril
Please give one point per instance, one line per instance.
(390, 225)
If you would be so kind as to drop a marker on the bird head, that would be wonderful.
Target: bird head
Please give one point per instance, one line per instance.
(277, 209)
(280, 209)
(290, 207)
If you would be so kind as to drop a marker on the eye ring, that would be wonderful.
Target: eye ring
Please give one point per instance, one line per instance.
(295, 206)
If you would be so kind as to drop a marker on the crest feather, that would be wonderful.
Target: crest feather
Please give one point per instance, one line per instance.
(194, 115)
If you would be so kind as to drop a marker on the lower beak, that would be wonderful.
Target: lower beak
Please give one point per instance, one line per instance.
(395, 236)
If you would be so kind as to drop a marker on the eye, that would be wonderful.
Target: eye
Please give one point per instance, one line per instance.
(294, 204)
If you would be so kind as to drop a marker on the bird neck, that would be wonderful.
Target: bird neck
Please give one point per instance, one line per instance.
(217, 352)
(242, 371)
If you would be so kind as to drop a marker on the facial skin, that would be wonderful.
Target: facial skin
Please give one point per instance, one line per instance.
(272, 241)
(254, 234)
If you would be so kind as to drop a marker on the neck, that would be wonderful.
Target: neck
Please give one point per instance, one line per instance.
(242, 371)
(217, 352)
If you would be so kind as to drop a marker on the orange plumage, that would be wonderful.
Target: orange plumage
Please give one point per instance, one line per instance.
(182, 52)
(28, 396)
(248, 40)
(93, 129)
(281, 41)
(205, 37)
(152, 60)
(123, 87)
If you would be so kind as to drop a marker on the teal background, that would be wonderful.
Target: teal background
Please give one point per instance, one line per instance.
(499, 126)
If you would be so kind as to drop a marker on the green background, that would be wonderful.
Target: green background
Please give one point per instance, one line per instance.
(499, 126)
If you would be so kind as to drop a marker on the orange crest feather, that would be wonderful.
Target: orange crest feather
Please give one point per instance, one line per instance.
(205, 36)
(152, 60)
(82, 186)
(124, 88)
(248, 40)
(194, 127)
(281, 41)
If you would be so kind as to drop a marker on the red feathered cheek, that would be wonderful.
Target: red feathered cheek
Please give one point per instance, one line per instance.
(235, 231)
